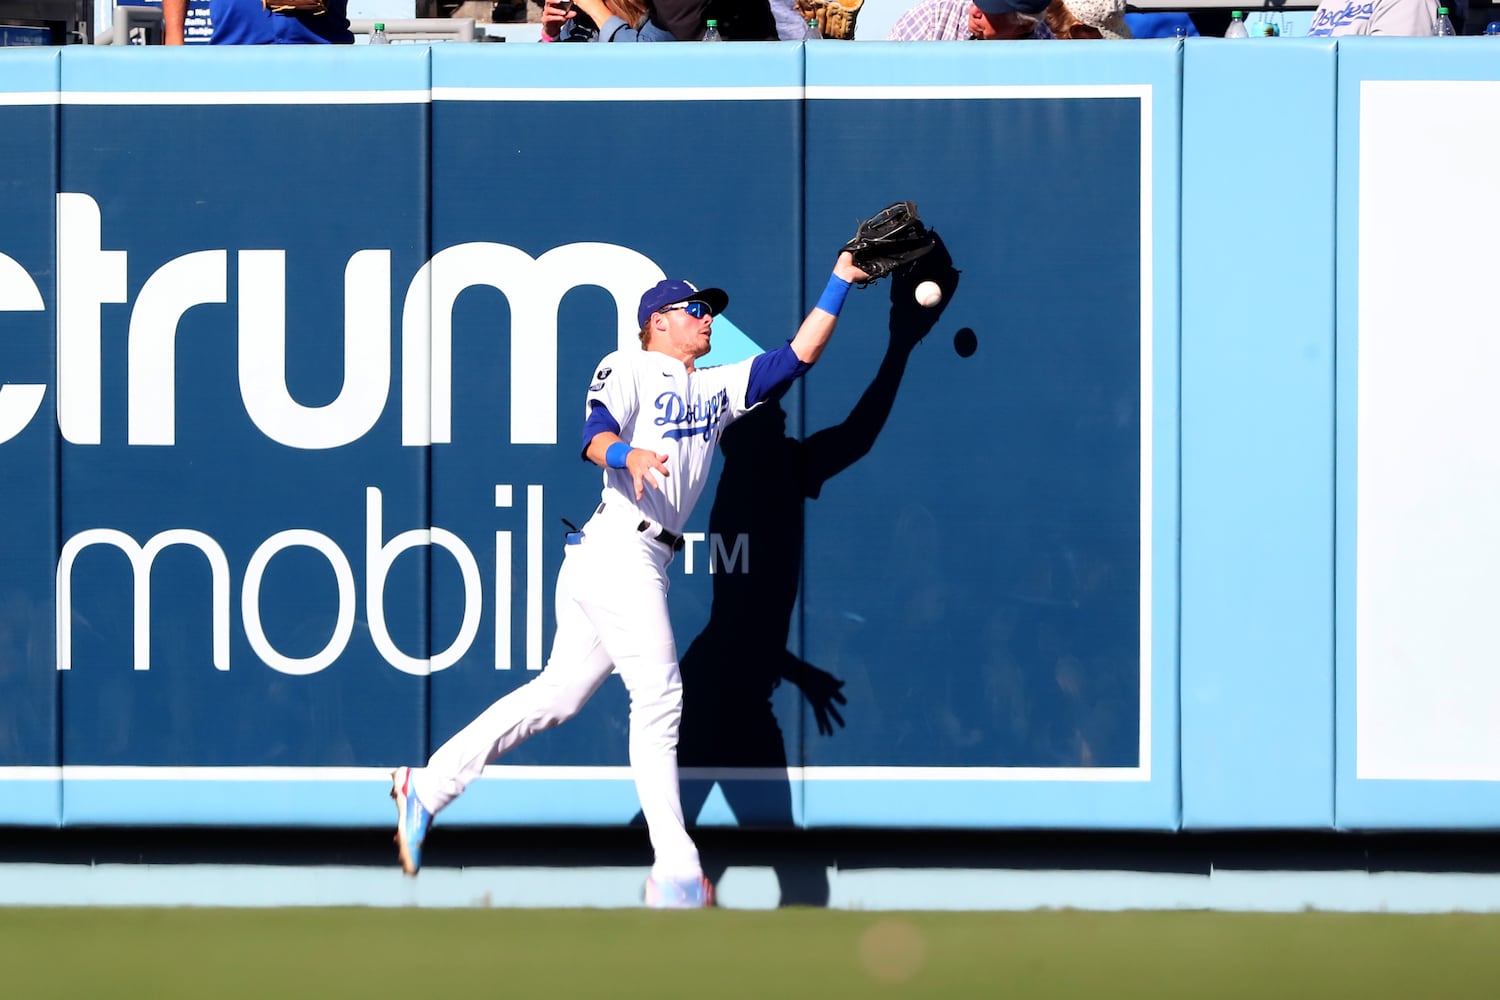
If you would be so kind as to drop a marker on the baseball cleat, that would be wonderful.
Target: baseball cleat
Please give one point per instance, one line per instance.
(694, 893)
(412, 820)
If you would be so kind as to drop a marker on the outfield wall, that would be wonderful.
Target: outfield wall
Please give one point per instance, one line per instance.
(1177, 519)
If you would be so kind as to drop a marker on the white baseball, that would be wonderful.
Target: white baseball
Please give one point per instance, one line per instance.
(928, 294)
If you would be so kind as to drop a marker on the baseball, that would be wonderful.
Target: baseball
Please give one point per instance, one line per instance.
(928, 294)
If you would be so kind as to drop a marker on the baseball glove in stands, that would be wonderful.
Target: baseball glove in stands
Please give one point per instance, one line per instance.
(836, 18)
(889, 239)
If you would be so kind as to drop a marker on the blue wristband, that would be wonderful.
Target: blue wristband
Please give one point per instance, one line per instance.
(615, 454)
(833, 296)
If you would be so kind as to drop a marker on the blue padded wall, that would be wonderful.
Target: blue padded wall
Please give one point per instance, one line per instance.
(289, 456)
(236, 412)
(1418, 479)
(994, 578)
(29, 711)
(1257, 437)
(702, 155)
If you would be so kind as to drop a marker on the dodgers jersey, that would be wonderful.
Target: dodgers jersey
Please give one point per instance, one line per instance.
(1336, 18)
(652, 401)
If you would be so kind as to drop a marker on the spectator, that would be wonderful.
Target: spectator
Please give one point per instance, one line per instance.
(250, 22)
(1087, 19)
(684, 20)
(791, 23)
(955, 20)
(1335, 18)
(1161, 24)
(592, 21)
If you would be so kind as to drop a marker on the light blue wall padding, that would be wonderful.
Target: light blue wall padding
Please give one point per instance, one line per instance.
(344, 802)
(184, 801)
(1386, 804)
(30, 792)
(497, 800)
(998, 804)
(941, 64)
(29, 71)
(248, 69)
(1257, 435)
(691, 73)
(364, 801)
(31, 801)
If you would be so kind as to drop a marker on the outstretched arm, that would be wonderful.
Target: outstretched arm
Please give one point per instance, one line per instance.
(833, 449)
(815, 331)
(773, 371)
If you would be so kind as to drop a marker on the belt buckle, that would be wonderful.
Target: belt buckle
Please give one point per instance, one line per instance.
(670, 539)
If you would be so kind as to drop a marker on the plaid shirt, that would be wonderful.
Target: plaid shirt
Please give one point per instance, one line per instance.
(942, 21)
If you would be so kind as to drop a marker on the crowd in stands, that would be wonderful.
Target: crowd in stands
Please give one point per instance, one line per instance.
(988, 20)
(947, 20)
(248, 22)
(687, 20)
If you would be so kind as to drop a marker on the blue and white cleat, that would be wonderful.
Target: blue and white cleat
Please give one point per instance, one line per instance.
(694, 893)
(412, 820)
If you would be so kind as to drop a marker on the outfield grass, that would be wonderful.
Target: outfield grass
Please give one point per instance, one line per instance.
(209, 953)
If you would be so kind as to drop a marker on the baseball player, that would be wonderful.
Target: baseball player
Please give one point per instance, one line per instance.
(652, 421)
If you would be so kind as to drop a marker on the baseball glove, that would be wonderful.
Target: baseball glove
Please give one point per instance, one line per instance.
(836, 18)
(889, 239)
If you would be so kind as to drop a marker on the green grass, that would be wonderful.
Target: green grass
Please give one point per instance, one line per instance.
(210, 953)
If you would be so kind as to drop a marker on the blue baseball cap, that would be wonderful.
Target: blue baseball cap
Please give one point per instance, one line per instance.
(1031, 7)
(668, 291)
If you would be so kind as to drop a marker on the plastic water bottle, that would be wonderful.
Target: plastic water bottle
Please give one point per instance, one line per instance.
(1444, 25)
(812, 30)
(379, 37)
(712, 33)
(1237, 27)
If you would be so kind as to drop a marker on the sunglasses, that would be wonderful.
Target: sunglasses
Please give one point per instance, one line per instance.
(695, 309)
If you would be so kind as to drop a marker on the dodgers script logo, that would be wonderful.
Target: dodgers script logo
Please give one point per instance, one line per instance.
(696, 419)
(1353, 13)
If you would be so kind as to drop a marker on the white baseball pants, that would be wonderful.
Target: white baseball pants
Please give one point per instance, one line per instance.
(611, 606)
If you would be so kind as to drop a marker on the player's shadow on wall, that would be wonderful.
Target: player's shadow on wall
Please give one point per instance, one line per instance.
(731, 669)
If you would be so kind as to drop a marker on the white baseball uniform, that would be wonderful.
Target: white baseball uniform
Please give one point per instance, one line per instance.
(611, 600)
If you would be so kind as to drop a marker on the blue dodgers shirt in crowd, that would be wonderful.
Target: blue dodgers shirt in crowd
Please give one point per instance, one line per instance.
(1346, 20)
(248, 22)
(1160, 24)
(1394, 18)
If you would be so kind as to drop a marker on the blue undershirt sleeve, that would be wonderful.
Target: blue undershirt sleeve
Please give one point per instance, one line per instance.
(772, 372)
(599, 420)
